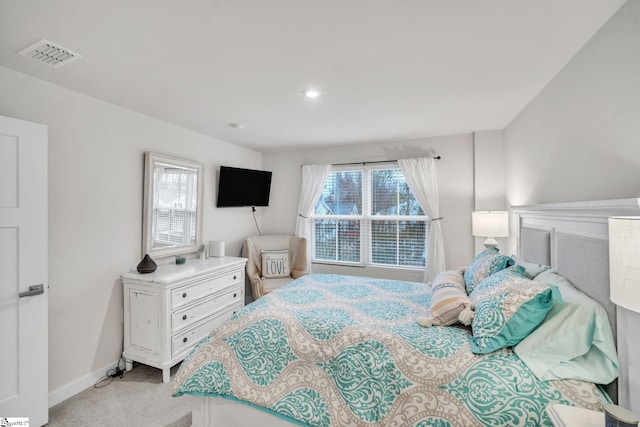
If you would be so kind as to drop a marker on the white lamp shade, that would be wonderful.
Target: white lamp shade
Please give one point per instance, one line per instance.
(490, 223)
(624, 262)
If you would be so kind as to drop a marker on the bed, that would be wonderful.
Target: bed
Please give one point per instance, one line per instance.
(337, 350)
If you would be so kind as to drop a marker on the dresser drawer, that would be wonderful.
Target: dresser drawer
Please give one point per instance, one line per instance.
(187, 294)
(186, 340)
(201, 309)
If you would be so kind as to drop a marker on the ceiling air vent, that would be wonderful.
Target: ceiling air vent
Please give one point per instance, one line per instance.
(50, 53)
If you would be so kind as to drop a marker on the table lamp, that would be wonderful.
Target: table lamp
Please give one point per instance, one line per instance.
(624, 288)
(490, 224)
(624, 262)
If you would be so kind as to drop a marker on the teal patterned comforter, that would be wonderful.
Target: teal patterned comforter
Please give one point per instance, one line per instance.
(330, 350)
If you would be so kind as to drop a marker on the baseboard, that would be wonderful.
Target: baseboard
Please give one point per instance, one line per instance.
(81, 384)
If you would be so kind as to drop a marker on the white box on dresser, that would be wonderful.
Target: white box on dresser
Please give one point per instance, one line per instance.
(168, 311)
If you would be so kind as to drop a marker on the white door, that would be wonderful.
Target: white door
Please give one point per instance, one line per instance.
(23, 271)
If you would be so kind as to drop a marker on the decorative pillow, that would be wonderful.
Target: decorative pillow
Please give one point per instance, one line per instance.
(508, 307)
(516, 271)
(449, 301)
(531, 270)
(484, 265)
(574, 341)
(275, 263)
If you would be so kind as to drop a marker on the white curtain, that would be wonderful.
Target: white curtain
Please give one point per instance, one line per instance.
(420, 175)
(313, 179)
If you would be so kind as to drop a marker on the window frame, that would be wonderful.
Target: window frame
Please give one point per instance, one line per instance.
(366, 219)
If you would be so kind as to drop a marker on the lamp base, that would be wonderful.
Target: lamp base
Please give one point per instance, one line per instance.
(490, 243)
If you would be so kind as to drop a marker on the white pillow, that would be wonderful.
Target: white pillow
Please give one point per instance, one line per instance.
(574, 341)
(531, 270)
(275, 263)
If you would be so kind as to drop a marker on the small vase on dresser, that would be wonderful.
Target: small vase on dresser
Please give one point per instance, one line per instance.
(168, 311)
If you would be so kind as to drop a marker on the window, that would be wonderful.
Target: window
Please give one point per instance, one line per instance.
(174, 206)
(369, 217)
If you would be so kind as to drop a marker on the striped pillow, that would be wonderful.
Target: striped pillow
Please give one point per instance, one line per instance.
(449, 301)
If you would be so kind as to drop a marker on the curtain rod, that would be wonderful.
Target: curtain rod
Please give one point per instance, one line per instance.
(374, 162)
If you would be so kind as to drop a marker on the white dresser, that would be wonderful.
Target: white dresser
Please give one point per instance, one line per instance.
(168, 311)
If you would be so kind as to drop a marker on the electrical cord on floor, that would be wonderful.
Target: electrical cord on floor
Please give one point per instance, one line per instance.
(111, 374)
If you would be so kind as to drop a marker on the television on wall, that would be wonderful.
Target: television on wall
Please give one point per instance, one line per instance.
(243, 187)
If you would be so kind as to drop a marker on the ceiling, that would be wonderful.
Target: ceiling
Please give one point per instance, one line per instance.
(386, 69)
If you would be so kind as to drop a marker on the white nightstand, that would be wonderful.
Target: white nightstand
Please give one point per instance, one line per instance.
(570, 416)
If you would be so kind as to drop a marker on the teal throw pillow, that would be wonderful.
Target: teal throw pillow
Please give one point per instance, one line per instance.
(484, 265)
(508, 306)
(515, 271)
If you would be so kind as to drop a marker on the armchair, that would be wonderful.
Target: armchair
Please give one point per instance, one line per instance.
(253, 247)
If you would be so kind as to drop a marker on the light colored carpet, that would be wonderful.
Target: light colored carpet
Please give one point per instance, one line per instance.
(137, 399)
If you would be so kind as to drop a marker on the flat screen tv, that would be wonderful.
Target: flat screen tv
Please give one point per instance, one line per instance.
(243, 187)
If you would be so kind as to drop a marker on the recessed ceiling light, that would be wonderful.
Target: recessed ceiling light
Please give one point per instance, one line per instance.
(311, 93)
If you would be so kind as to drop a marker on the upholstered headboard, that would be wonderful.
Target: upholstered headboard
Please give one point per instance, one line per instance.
(573, 238)
(535, 245)
(580, 257)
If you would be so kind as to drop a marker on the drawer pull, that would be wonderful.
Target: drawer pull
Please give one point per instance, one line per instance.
(184, 317)
(234, 295)
(234, 277)
(184, 295)
(184, 339)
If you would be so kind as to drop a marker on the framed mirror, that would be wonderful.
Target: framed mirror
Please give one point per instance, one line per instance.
(172, 213)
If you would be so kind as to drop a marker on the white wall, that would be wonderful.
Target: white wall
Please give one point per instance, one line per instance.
(455, 179)
(95, 211)
(488, 178)
(580, 140)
